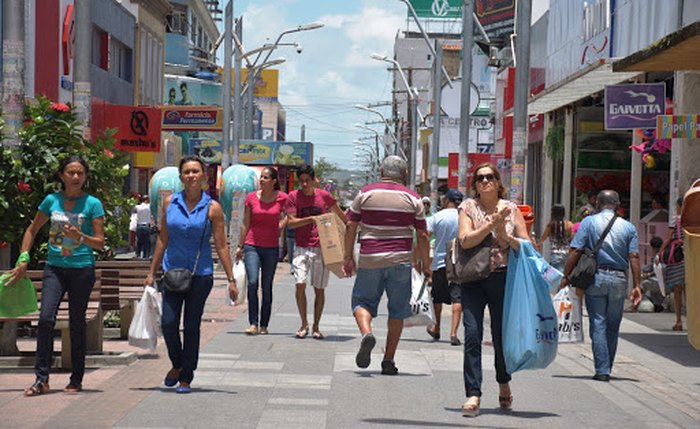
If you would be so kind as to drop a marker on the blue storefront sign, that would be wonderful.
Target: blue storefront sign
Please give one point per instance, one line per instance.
(633, 105)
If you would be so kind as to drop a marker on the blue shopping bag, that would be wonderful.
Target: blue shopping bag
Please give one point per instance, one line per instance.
(530, 328)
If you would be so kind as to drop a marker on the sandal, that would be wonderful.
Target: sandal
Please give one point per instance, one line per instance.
(303, 332)
(471, 407)
(505, 402)
(38, 388)
(318, 335)
(677, 327)
(434, 334)
(73, 388)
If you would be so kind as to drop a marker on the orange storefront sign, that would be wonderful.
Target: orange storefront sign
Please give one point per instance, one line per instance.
(138, 128)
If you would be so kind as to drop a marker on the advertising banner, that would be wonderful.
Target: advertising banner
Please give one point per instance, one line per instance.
(138, 128)
(677, 127)
(437, 9)
(186, 118)
(634, 105)
(496, 16)
(266, 83)
(187, 91)
(275, 153)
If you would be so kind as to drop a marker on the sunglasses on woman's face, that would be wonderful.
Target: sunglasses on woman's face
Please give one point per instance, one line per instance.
(489, 177)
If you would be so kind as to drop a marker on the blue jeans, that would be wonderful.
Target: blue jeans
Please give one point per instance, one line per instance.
(475, 296)
(371, 283)
(185, 354)
(605, 300)
(143, 241)
(259, 259)
(78, 282)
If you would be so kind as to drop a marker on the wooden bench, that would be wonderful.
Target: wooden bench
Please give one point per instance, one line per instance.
(122, 288)
(93, 316)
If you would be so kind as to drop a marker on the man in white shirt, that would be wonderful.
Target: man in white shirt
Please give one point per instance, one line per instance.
(143, 228)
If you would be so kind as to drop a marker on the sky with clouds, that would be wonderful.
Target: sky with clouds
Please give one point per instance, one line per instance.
(320, 87)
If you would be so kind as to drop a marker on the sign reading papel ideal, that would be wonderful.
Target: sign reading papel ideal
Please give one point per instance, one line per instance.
(633, 105)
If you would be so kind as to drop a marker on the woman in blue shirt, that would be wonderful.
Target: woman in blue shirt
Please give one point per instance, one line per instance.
(77, 227)
(190, 217)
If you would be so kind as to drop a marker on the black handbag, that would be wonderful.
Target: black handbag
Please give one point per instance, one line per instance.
(583, 273)
(468, 265)
(179, 280)
(673, 253)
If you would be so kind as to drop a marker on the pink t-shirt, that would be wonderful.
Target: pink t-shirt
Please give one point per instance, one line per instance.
(263, 230)
(302, 206)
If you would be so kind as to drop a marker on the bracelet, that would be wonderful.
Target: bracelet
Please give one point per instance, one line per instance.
(231, 280)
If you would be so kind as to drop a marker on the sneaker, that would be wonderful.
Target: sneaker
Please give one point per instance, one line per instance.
(364, 355)
(389, 368)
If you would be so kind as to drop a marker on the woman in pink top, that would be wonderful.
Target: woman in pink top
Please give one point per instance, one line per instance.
(260, 231)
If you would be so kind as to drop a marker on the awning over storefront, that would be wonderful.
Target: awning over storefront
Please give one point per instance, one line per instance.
(579, 85)
(679, 50)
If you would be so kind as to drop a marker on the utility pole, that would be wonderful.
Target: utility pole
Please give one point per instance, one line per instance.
(413, 114)
(435, 148)
(237, 102)
(226, 93)
(522, 89)
(465, 100)
(303, 133)
(82, 89)
(13, 69)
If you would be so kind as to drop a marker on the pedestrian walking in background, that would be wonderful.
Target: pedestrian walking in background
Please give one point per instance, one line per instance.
(387, 213)
(76, 228)
(590, 207)
(487, 213)
(189, 217)
(303, 206)
(674, 273)
(559, 233)
(290, 238)
(258, 246)
(144, 223)
(605, 298)
(443, 226)
(651, 284)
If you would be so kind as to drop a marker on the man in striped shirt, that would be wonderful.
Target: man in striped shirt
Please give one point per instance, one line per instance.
(387, 213)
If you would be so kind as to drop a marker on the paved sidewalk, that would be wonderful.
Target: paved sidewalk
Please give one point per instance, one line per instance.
(277, 380)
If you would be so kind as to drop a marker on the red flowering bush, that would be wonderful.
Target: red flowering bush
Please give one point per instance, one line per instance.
(24, 187)
(59, 107)
(585, 184)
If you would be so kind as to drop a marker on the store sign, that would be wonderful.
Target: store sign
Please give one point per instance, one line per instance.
(138, 128)
(437, 8)
(496, 16)
(473, 159)
(678, 126)
(275, 153)
(187, 118)
(68, 40)
(633, 105)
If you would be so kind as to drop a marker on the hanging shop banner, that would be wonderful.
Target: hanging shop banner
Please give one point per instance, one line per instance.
(634, 105)
(262, 152)
(189, 118)
(138, 128)
(678, 127)
(437, 9)
(496, 16)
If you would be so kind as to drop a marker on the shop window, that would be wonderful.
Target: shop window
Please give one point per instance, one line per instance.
(596, 18)
(120, 60)
(100, 48)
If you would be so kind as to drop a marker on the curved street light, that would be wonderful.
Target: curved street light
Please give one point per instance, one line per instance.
(387, 127)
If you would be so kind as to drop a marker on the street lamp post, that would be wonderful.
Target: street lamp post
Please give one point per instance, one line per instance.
(387, 128)
(413, 103)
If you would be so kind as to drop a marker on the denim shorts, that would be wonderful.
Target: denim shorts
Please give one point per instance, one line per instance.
(371, 283)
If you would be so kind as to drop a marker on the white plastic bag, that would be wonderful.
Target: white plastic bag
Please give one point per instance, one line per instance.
(421, 303)
(145, 326)
(241, 283)
(570, 320)
(659, 273)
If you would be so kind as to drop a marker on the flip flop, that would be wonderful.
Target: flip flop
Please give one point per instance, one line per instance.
(318, 335)
(38, 388)
(183, 389)
(302, 333)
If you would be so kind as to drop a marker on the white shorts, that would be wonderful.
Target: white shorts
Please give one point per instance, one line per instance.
(308, 263)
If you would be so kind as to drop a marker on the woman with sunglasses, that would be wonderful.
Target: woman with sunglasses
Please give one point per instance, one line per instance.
(488, 213)
(262, 222)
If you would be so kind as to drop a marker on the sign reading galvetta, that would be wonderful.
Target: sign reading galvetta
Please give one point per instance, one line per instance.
(634, 105)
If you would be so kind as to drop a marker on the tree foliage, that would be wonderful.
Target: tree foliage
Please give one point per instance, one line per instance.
(50, 134)
(324, 168)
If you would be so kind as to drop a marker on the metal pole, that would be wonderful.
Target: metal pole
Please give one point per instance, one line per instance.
(435, 148)
(465, 101)
(522, 89)
(226, 93)
(250, 120)
(237, 101)
(13, 69)
(82, 89)
(414, 143)
(303, 133)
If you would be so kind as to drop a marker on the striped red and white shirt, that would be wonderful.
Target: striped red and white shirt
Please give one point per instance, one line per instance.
(387, 213)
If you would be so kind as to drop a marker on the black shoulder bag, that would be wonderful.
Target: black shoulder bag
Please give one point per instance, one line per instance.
(179, 280)
(583, 274)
